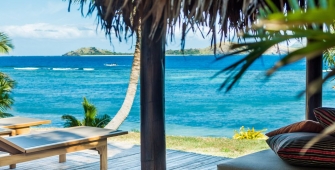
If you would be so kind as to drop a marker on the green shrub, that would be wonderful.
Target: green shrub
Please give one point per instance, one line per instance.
(249, 134)
(91, 117)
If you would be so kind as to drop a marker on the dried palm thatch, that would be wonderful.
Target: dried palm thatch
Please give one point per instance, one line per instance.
(225, 17)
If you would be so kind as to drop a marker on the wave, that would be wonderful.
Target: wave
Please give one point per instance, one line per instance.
(88, 69)
(65, 69)
(55, 69)
(26, 68)
(110, 65)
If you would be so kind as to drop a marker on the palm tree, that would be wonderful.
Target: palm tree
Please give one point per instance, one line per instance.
(128, 101)
(91, 117)
(158, 19)
(315, 23)
(6, 86)
(5, 43)
(276, 27)
(6, 83)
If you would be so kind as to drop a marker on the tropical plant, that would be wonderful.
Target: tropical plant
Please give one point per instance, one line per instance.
(159, 18)
(315, 23)
(91, 117)
(6, 100)
(6, 83)
(249, 134)
(5, 43)
(275, 27)
(128, 101)
(329, 54)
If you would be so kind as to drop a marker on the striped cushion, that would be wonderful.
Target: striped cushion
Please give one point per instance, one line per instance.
(325, 115)
(302, 126)
(288, 147)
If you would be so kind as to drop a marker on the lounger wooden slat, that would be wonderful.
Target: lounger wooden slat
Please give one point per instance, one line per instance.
(56, 142)
(18, 158)
(21, 125)
(21, 122)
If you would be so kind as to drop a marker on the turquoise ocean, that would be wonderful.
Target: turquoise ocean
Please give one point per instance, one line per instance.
(51, 86)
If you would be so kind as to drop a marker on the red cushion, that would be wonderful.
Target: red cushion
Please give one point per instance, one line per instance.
(303, 126)
(288, 146)
(325, 115)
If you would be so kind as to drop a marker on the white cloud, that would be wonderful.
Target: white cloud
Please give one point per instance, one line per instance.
(49, 31)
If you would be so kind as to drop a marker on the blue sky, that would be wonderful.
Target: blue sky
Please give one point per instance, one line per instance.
(46, 28)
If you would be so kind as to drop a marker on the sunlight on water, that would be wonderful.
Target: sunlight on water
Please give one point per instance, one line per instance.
(49, 87)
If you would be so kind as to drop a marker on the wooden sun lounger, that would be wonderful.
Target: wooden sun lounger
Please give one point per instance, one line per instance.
(56, 142)
(21, 125)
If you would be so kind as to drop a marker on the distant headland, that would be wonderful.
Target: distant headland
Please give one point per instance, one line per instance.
(190, 51)
(93, 51)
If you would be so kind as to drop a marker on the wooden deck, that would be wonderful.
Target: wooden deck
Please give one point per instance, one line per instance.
(122, 156)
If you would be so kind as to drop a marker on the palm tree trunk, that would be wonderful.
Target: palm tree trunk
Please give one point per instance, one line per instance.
(122, 114)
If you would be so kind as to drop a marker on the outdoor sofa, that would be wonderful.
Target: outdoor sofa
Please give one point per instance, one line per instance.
(262, 160)
(29, 147)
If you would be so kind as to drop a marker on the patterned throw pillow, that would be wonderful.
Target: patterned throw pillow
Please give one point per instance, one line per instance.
(302, 126)
(288, 146)
(325, 115)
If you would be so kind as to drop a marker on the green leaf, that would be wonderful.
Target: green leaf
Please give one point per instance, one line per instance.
(70, 121)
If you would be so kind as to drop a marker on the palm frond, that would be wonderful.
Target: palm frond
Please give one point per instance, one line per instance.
(4, 115)
(5, 43)
(89, 109)
(328, 57)
(5, 102)
(71, 121)
(226, 17)
(6, 86)
(102, 121)
(276, 28)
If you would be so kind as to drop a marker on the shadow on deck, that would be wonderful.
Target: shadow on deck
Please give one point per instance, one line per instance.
(122, 156)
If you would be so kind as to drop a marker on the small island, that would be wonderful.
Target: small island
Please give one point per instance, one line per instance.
(93, 51)
(223, 49)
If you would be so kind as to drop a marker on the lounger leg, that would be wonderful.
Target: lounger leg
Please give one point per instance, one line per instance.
(62, 158)
(13, 166)
(13, 133)
(103, 156)
(21, 131)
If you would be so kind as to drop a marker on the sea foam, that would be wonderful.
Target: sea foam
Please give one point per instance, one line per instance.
(65, 69)
(26, 68)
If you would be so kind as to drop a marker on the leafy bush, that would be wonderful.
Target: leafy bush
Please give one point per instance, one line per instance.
(249, 134)
(6, 100)
(91, 117)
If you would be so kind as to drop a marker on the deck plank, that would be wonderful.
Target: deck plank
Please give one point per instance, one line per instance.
(121, 157)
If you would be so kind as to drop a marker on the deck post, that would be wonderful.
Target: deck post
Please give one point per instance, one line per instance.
(313, 72)
(152, 77)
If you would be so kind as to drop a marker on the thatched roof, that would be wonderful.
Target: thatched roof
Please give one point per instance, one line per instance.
(221, 16)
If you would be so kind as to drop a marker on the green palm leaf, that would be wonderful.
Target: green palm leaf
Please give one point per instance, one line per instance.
(91, 117)
(71, 121)
(4, 115)
(275, 28)
(6, 86)
(102, 121)
(5, 43)
(90, 113)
